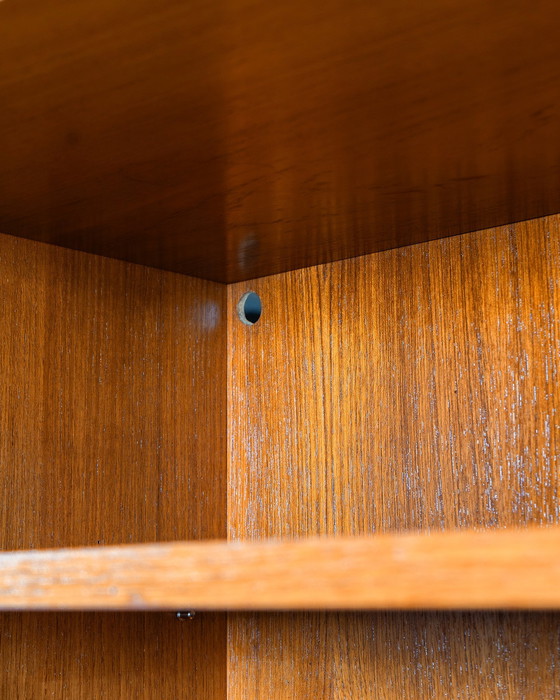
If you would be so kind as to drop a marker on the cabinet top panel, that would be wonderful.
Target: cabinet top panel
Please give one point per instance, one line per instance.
(231, 140)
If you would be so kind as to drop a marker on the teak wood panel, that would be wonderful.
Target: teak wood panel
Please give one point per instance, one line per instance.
(114, 656)
(112, 396)
(235, 139)
(514, 569)
(391, 656)
(409, 390)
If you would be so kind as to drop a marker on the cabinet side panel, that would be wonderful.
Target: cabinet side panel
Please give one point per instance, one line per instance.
(112, 425)
(409, 390)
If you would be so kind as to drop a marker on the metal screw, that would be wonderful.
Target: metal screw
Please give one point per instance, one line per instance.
(185, 615)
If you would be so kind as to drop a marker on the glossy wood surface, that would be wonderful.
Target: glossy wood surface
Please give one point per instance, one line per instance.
(461, 570)
(112, 395)
(409, 390)
(81, 656)
(236, 139)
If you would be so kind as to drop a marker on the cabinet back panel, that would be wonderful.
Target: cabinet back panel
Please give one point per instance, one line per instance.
(413, 389)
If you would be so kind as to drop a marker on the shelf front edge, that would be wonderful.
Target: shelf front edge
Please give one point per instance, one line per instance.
(507, 569)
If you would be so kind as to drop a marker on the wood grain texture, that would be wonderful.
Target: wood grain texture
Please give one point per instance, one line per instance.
(409, 390)
(237, 139)
(464, 656)
(111, 420)
(81, 656)
(457, 570)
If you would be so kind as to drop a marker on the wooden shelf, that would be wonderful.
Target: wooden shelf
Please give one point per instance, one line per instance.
(497, 569)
